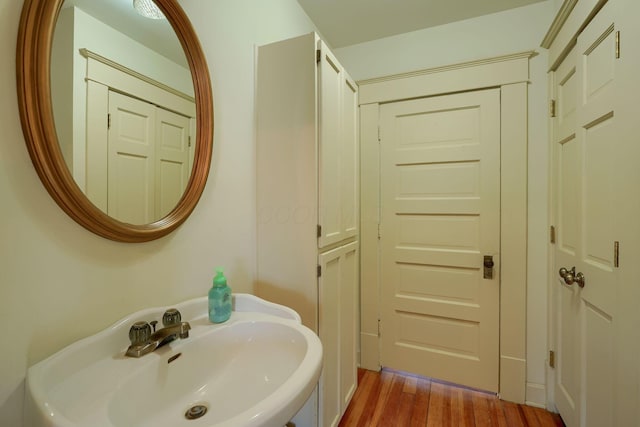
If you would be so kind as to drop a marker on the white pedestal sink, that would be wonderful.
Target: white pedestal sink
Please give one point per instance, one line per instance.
(256, 369)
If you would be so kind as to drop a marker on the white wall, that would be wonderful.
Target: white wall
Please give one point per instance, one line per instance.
(512, 31)
(59, 282)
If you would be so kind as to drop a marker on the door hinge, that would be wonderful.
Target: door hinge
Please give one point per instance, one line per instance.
(379, 236)
(189, 142)
(379, 134)
(552, 359)
(319, 271)
(319, 231)
(378, 328)
(108, 121)
(318, 56)
(552, 234)
(617, 44)
(552, 108)
(616, 254)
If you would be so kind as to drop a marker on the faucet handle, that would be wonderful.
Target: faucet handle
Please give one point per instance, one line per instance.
(171, 317)
(139, 333)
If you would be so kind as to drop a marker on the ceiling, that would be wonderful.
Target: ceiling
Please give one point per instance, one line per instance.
(341, 22)
(346, 22)
(119, 14)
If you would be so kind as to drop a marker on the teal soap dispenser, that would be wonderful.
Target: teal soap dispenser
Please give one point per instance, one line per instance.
(219, 299)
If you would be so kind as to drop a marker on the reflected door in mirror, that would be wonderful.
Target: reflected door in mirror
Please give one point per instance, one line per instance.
(148, 160)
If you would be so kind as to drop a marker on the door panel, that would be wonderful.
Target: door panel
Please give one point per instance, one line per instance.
(172, 167)
(348, 326)
(349, 159)
(597, 125)
(329, 333)
(440, 215)
(337, 296)
(329, 148)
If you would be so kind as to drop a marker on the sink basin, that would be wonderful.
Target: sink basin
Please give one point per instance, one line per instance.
(256, 369)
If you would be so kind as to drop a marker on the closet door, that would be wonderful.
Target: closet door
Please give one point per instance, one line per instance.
(585, 149)
(330, 83)
(172, 164)
(131, 163)
(337, 299)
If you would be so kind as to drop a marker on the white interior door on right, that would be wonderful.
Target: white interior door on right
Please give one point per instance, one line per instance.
(585, 285)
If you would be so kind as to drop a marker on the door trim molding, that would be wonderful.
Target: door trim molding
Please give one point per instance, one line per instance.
(511, 74)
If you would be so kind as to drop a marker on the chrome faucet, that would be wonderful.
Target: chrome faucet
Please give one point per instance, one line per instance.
(144, 341)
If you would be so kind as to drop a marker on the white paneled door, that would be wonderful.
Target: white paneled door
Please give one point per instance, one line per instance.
(337, 299)
(440, 225)
(131, 162)
(585, 285)
(173, 163)
(148, 163)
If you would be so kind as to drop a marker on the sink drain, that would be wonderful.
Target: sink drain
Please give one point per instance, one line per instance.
(195, 412)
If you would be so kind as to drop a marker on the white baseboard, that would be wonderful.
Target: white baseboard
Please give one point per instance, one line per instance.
(369, 352)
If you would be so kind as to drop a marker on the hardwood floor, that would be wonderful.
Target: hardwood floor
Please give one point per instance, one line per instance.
(395, 399)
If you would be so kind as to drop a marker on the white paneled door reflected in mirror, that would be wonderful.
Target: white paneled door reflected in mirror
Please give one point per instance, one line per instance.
(122, 105)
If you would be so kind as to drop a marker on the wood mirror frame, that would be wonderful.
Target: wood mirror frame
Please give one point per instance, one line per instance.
(35, 36)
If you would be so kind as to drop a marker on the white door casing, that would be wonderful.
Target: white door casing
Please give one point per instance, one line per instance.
(510, 73)
(440, 200)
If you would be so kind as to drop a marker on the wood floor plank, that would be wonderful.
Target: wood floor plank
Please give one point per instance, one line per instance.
(439, 411)
(481, 413)
(410, 384)
(404, 414)
(514, 415)
(366, 380)
(530, 415)
(371, 403)
(547, 418)
(421, 407)
(467, 418)
(386, 379)
(497, 413)
(391, 407)
(456, 406)
(395, 399)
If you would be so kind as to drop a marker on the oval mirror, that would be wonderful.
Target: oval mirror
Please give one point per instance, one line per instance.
(117, 112)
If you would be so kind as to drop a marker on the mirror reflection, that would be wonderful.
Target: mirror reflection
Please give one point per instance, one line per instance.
(124, 109)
